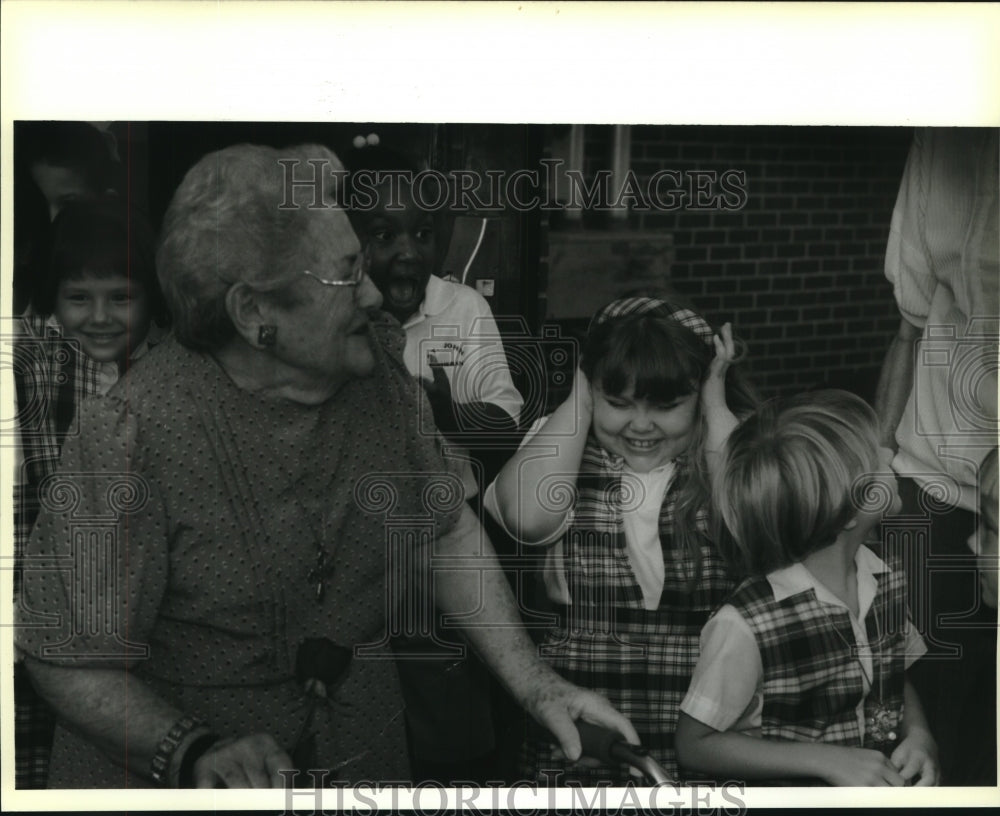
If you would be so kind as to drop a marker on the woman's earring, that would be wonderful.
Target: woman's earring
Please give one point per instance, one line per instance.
(267, 335)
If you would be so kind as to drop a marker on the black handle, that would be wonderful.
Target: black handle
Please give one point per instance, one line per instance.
(612, 748)
(598, 741)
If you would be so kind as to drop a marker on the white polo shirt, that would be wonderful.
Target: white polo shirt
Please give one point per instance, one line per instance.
(455, 324)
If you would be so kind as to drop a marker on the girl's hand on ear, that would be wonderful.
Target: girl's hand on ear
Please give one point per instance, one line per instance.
(719, 420)
(713, 390)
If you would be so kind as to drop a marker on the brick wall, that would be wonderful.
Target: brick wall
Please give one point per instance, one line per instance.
(799, 268)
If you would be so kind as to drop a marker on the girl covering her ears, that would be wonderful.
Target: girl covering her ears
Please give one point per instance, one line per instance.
(802, 672)
(614, 484)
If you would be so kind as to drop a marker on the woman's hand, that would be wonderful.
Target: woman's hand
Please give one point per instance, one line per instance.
(556, 704)
(246, 762)
(916, 758)
(857, 767)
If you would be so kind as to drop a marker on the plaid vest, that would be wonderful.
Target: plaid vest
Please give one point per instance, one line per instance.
(598, 571)
(813, 680)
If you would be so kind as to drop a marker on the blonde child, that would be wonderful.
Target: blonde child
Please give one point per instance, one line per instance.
(614, 486)
(802, 671)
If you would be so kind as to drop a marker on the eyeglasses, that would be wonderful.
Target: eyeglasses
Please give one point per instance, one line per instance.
(358, 272)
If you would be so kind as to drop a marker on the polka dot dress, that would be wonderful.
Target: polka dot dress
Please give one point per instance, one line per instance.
(190, 518)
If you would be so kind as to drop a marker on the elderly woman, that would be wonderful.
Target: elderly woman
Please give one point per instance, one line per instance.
(228, 527)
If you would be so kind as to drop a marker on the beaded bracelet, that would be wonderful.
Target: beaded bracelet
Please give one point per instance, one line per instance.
(160, 766)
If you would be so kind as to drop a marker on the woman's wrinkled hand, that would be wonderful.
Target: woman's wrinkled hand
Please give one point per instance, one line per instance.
(557, 704)
(245, 762)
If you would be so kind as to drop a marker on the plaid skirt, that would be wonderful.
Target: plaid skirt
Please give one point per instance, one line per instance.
(34, 727)
(642, 662)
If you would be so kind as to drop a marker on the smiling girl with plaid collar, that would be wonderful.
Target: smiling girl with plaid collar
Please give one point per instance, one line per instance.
(614, 485)
(92, 314)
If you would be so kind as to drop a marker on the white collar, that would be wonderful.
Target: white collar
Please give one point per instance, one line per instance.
(438, 296)
(616, 462)
(649, 474)
(793, 579)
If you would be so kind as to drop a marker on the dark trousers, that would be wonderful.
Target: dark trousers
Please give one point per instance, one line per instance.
(957, 679)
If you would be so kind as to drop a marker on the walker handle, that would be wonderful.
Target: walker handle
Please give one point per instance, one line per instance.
(597, 741)
(611, 748)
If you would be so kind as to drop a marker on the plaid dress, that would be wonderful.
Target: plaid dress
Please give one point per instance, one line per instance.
(51, 377)
(813, 680)
(607, 641)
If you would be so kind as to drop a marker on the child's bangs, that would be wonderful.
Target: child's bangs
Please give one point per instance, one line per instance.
(100, 239)
(655, 366)
(102, 269)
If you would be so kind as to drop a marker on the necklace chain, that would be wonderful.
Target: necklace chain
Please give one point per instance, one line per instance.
(855, 649)
(883, 724)
(324, 566)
